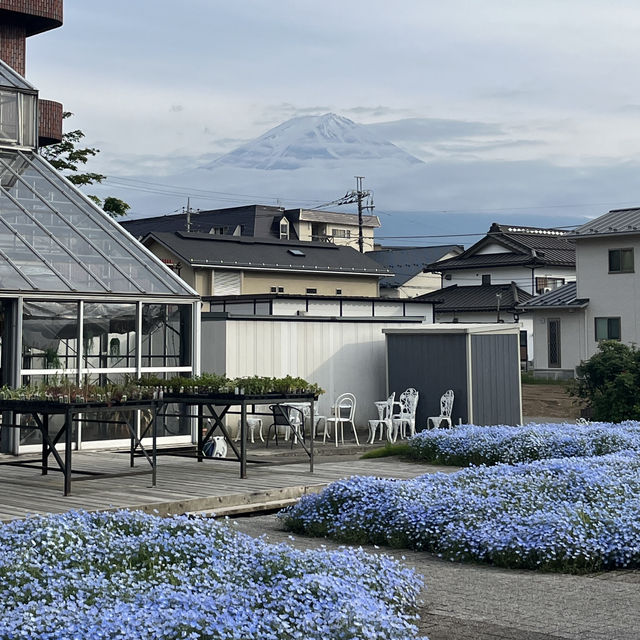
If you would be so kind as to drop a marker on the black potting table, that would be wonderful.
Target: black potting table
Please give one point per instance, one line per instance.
(39, 412)
(220, 405)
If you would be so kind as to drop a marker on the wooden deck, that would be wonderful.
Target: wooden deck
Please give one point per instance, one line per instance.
(183, 484)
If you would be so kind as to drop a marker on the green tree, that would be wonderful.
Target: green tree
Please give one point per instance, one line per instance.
(68, 157)
(609, 382)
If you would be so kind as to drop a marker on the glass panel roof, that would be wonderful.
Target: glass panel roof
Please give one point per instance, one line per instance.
(52, 239)
(10, 78)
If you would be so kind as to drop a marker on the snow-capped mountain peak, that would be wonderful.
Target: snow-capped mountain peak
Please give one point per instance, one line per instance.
(306, 140)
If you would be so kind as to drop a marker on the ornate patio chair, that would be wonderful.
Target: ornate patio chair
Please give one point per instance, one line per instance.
(384, 423)
(406, 416)
(446, 406)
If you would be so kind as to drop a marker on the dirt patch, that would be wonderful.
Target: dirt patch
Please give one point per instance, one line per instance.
(549, 400)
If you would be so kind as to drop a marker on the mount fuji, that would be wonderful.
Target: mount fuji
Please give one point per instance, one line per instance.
(311, 160)
(307, 140)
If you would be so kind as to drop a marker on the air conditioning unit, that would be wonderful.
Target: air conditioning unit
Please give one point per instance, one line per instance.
(546, 289)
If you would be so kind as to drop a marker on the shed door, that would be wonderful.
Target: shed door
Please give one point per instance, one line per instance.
(226, 283)
(553, 334)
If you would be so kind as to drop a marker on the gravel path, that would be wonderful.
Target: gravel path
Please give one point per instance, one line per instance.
(477, 602)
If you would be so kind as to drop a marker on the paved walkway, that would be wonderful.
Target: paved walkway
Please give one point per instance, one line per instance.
(477, 602)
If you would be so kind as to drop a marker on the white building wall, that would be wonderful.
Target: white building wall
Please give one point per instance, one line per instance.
(339, 356)
(609, 294)
(572, 341)
(486, 317)
(522, 276)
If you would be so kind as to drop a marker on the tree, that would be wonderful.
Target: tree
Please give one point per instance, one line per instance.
(67, 157)
(609, 382)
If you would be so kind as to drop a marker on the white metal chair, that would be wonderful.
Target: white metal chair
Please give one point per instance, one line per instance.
(446, 406)
(385, 409)
(344, 410)
(406, 416)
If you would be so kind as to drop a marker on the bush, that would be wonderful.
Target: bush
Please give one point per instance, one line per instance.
(609, 382)
(467, 444)
(573, 515)
(132, 576)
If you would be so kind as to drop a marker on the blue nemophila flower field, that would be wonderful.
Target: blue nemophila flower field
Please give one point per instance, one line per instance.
(469, 444)
(129, 575)
(572, 514)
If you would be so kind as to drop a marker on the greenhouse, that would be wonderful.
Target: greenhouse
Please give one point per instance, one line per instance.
(79, 297)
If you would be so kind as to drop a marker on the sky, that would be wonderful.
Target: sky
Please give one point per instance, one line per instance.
(514, 104)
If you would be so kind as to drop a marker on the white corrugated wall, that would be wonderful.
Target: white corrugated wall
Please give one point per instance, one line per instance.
(339, 356)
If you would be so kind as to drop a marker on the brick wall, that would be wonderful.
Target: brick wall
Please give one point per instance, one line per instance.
(36, 15)
(50, 128)
(12, 45)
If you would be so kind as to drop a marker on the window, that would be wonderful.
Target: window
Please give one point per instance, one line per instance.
(296, 252)
(553, 343)
(341, 233)
(338, 292)
(486, 278)
(545, 284)
(277, 289)
(17, 118)
(607, 329)
(620, 260)
(312, 291)
(284, 229)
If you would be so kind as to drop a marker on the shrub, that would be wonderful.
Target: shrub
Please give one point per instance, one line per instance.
(609, 382)
(469, 444)
(134, 576)
(575, 515)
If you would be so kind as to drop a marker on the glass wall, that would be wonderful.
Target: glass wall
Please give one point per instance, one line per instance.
(102, 337)
(109, 337)
(50, 336)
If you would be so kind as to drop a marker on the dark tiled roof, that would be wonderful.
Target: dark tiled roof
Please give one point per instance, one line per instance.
(523, 246)
(407, 262)
(564, 296)
(257, 220)
(617, 221)
(204, 249)
(477, 298)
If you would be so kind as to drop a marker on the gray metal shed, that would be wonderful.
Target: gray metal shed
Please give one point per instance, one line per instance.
(480, 362)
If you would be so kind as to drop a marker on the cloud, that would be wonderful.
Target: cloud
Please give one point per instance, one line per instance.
(176, 108)
(476, 147)
(434, 129)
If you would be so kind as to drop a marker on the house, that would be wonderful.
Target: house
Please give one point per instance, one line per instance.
(485, 303)
(220, 265)
(536, 259)
(79, 297)
(407, 264)
(603, 303)
(262, 221)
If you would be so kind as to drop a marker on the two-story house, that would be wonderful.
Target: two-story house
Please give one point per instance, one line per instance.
(510, 264)
(263, 221)
(603, 303)
(218, 265)
(536, 259)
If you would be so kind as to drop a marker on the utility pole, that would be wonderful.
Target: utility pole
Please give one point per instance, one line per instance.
(364, 200)
(188, 211)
